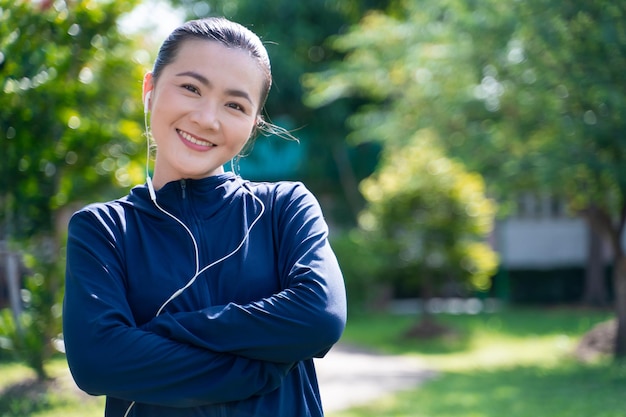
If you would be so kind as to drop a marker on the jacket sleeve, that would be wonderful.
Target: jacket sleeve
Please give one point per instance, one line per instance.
(109, 355)
(302, 321)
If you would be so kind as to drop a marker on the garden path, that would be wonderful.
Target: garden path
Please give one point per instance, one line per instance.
(350, 376)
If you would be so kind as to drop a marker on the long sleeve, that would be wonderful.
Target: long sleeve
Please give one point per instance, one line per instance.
(301, 321)
(108, 354)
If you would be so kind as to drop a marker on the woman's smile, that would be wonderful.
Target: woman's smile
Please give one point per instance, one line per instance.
(194, 142)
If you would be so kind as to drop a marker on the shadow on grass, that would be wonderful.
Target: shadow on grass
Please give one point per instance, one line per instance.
(26, 397)
(30, 396)
(387, 333)
(535, 321)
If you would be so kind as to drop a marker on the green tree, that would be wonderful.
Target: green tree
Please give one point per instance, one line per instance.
(69, 133)
(429, 219)
(531, 94)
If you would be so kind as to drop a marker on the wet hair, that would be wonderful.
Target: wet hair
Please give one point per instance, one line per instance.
(218, 29)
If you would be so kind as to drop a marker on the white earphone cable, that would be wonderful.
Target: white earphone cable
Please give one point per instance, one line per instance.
(223, 258)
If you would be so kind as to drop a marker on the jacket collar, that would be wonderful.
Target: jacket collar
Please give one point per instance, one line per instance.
(203, 197)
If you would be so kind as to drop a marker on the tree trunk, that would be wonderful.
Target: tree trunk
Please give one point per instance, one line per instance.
(602, 221)
(13, 279)
(595, 292)
(619, 283)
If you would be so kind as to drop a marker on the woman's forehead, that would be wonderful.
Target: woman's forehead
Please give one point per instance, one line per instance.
(214, 65)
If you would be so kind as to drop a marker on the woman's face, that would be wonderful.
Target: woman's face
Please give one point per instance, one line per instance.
(204, 107)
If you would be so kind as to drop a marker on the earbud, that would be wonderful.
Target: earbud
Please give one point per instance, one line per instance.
(146, 102)
(146, 108)
(151, 188)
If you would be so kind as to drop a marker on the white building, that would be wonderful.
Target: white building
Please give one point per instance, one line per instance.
(547, 244)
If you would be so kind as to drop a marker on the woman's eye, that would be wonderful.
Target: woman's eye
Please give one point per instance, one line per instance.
(236, 107)
(191, 88)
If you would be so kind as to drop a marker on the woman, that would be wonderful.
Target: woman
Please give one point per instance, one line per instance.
(199, 294)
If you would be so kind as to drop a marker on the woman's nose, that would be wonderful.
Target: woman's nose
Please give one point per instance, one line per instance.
(206, 116)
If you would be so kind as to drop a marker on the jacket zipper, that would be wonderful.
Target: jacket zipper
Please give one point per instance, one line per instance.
(183, 187)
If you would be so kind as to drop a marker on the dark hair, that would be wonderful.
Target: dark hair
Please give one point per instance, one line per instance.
(231, 34)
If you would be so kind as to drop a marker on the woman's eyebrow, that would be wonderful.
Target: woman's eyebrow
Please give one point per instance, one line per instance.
(202, 79)
(195, 75)
(239, 93)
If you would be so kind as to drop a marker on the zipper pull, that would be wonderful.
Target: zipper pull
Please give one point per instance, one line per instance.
(183, 187)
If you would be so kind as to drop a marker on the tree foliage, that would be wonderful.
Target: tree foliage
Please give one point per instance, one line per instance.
(32, 335)
(70, 132)
(531, 94)
(430, 218)
(68, 124)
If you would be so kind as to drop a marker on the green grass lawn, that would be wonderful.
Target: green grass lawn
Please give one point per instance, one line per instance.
(22, 396)
(514, 363)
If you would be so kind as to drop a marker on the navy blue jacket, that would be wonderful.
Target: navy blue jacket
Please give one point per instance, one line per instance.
(240, 340)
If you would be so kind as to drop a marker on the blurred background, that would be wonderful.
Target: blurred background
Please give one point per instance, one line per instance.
(468, 156)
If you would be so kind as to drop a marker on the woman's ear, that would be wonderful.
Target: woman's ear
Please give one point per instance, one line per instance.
(148, 86)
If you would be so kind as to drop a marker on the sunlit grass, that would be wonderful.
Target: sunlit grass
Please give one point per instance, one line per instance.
(516, 363)
(570, 390)
(545, 351)
(13, 373)
(74, 409)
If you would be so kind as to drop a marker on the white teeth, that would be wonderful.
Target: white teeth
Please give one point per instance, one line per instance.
(194, 140)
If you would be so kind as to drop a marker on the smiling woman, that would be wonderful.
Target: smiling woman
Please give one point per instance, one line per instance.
(202, 115)
(200, 293)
